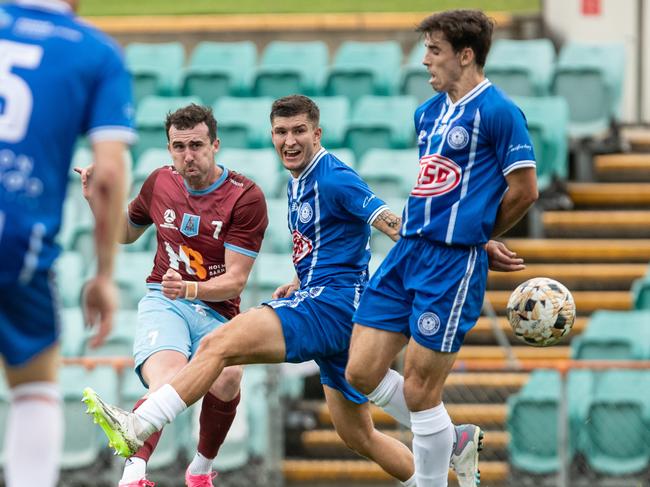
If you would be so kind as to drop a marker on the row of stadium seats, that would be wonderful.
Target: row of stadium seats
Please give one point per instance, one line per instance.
(85, 445)
(587, 76)
(609, 417)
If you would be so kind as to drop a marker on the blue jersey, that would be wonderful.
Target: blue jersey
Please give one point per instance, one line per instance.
(59, 78)
(466, 150)
(330, 210)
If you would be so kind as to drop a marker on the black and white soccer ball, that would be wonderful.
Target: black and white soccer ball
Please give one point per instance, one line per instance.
(541, 311)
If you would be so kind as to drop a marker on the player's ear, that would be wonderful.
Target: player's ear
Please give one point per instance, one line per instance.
(216, 144)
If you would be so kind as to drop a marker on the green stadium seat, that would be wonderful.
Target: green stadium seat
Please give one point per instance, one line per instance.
(381, 122)
(83, 440)
(255, 391)
(277, 238)
(80, 237)
(291, 67)
(641, 292)
(174, 436)
(119, 342)
(156, 68)
(547, 118)
(131, 272)
(614, 335)
(269, 272)
(149, 161)
(150, 121)
(616, 435)
(521, 67)
(390, 173)
(334, 117)
(415, 77)
(219, 69)
(146, 243)
(73, 332)
(70, 272)
(243, 122)
(590, 78)
(532, 419)
(259, 165)
(345, 155)
(365, 68)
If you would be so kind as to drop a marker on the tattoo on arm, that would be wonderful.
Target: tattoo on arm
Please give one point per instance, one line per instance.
(390, 219)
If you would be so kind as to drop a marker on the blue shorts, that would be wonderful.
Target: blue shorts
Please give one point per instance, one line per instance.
(317, 325)
(29, 318)
(431, 292)
(170, 324)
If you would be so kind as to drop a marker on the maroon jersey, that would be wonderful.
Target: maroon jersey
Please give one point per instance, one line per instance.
(194, 227)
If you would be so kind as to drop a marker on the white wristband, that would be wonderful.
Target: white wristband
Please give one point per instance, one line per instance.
(191, 290)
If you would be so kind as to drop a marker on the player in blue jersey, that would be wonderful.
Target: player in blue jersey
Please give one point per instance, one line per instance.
(59, 78)
(476, 180)
(329, 216)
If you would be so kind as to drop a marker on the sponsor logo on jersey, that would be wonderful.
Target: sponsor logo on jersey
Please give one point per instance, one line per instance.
(190, 225)
(438, 175)
(302, 246)
(170, 217)
(306, 213)
(422, 137)
(428, 323)
(458, 138)
(368, 199)
(236, 183)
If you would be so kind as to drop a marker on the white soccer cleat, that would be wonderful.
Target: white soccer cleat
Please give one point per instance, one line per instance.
(123, 429)
(464, 457)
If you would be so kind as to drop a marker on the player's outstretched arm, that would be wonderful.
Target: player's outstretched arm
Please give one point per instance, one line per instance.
(107, 187)
(389, 223)
(521, 194)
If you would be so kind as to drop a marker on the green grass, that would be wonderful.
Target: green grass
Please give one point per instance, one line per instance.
(168, 7)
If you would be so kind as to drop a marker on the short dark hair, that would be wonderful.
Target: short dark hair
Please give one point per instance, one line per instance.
(292, 105)
(189, 117)
(462, 28)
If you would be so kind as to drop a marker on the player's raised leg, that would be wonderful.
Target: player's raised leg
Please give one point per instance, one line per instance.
(252, 337)
(354, 425)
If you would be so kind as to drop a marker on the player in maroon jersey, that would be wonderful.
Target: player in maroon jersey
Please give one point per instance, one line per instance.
(210, 222)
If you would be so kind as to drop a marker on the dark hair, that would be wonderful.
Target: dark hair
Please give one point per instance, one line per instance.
(292, 105)
(462, 28)
(189, 117)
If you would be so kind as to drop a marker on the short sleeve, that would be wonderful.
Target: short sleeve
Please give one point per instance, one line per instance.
(353, 196)
(111, 112)
(509, 133)
(139, 214)
(249, 222)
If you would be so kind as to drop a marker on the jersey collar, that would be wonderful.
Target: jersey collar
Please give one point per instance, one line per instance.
(470, 94)
(212, 187)
(51, 5)
(310, 167)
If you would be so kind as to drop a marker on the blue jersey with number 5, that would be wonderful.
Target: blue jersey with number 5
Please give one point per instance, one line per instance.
(59, 78)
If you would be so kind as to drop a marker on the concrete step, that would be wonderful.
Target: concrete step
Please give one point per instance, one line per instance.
(353, 472)
(574, 276)
(581, 250)
(622, 167)
(597, 224)
(482, 333)
(609, 195)
(586, 301)
(638, 138)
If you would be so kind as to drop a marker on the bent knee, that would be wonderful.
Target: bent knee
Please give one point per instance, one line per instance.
(227, 385)
(362, 380)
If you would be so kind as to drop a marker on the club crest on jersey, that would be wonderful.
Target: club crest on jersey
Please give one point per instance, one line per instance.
(306, 212)
(438, 175)
(428, 323)
(302, 246)
(190, 225)
(457, 138)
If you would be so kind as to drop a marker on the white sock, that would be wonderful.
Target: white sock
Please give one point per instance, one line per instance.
(201, 465)
(135, 468)
(410, 482)
(34, 437)
(161, 407)
(389, 395)
(433, 437)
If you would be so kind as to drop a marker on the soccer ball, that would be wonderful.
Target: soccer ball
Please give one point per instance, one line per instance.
(541, 311)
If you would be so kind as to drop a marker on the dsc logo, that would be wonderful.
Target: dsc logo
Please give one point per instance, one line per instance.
(438, 175)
